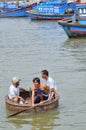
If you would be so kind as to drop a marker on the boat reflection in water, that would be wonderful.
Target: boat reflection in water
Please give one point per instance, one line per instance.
(38, 121)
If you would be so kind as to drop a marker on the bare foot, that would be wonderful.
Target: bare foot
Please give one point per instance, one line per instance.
(26, 102)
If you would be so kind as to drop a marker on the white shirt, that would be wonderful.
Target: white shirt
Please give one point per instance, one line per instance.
(51, 83)
(13, 91)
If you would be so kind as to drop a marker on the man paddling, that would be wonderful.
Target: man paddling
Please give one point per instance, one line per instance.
(14, 91)
(50, 82)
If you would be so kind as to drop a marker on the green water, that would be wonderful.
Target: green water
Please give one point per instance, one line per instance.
(28, 47)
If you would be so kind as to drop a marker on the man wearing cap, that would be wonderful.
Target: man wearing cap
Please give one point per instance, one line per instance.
(14, 90)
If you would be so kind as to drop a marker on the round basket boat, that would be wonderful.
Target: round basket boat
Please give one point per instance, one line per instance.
(44, 106)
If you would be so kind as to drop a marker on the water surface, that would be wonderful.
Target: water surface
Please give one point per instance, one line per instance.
(26, 48)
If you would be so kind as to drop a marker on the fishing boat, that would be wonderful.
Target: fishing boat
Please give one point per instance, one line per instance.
(13, 13)
(43, 106)
(14, 10)
(76, 27)
(52, 10)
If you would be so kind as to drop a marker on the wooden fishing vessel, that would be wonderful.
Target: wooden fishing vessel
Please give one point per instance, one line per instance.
(76, 27)
(33, 15)
(43, 106)
(13, 10)
(52, 10)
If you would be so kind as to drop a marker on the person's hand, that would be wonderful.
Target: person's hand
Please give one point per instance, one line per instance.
(33, 105)
(57, 96)
(21, 98)
(52, 98)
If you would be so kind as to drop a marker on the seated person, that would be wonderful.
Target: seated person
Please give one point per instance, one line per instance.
(39, 93)
(14, 91)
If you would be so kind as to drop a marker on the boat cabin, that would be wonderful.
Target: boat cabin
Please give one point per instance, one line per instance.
(81, 13)
(82, 9)
(11, 6)
(55, 7)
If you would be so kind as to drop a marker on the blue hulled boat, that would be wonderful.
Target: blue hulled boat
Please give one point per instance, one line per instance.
(52, 10)
(14, 9)
(76, 27)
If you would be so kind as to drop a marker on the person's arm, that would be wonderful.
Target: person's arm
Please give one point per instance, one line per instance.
(53, 89)
(11, 93)
(55, 92)
(33, 93)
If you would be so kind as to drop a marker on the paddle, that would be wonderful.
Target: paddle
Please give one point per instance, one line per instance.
(17, 113)
(28, 108)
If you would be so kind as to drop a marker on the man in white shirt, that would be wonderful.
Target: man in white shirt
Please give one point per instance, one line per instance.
(50, 82)
(14, 90)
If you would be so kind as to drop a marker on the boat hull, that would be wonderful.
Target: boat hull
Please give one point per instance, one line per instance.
(36, 16)
(17, 13)
(47, 105)
(73, 30)
(20, 12)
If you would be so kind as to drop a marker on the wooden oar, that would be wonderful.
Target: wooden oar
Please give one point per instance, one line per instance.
(17, 113)
(27, 108)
